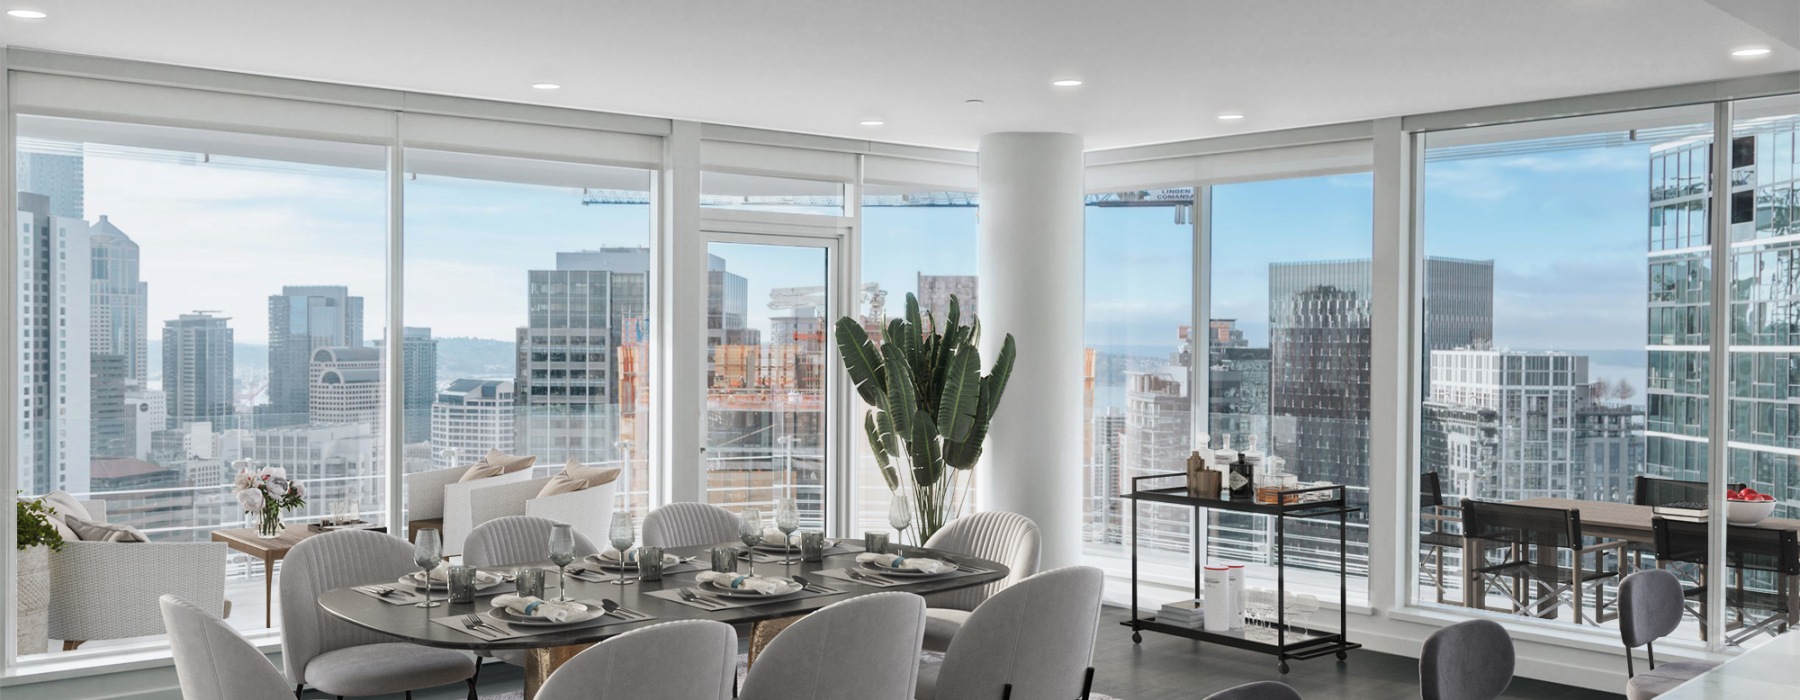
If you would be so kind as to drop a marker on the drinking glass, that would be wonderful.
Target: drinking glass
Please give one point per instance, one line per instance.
(428, 551)
(336, 516)
(750, 529)
(353, 510)
(899, 516)
(623, 536)
(650, 563)
(562, 553)
(787, 519)
(530, 582)
(461, 584)
(724, 559)
(812, 545)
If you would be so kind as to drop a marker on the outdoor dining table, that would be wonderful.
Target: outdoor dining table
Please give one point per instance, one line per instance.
(549, 650)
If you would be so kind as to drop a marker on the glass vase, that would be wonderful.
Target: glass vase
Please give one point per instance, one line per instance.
(267, 523)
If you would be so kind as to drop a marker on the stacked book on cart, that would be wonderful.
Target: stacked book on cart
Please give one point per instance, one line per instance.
(1182, 613)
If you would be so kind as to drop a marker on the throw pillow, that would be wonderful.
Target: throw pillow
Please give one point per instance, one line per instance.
(576, 476)
(56, 521)
(90, 531)
(62, 504)
(497, 463)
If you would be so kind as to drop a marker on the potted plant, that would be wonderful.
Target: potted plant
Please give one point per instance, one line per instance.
(37, 538)
(929, 405)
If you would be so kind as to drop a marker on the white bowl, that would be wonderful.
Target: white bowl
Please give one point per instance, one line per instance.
(1747, 512)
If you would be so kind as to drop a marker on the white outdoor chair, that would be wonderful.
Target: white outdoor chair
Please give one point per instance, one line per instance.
(689, 524)
(435, 499)
(215, 662)
(1033, 640)
(589, 510)
(865, 648)
(109, 590)
(1008, 538)
(685, 660)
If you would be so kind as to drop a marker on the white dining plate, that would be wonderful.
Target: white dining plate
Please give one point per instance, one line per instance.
(616, 565)
(591, 612)
(891, 571)
(723, 592)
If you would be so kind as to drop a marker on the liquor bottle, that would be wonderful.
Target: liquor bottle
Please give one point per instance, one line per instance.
(1241, 480)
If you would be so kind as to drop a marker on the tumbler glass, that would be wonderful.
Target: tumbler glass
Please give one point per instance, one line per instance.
(724, 560)
(462, 584)
(812, 545)
(531, 582)
(650, 563)
(875, 542)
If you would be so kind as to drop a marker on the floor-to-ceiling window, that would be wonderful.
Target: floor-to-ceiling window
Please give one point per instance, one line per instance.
(194, 302)
(528, 291)
(1567, 332)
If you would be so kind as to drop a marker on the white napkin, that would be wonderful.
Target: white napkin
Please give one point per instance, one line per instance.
(919, 564)
(761, 584)
(610, 555)
(527, 606)
(482, 578)
(772, 537)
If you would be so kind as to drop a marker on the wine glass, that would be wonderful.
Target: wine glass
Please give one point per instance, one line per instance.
(899, 516)
(622, 536)
(562, 553)
(750, 529)
(787, 519)
(428, 551)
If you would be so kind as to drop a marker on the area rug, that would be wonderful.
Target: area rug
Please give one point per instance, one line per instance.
(925, 657)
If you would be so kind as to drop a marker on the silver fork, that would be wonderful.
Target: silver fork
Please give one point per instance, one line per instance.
(379, 591)
(690, 596)
(474, 624)
(860, 576)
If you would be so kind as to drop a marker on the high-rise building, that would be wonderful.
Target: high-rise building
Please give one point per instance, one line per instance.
(113, 429)
(197, 369)
(346, 386)
(59, 176)
(53, 370)
(470, 417)
(1319, 354)
(935, 292)
(148, 413)
(1105, 482)
(418, 382)
(567, 381)
(301, 320)
(121, 313)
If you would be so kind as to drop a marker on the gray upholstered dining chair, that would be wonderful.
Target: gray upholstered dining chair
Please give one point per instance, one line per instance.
(689, 525)
(1260, 690)
(1651, 603)
(1466, 661)
(336, 657)
(1008, 538)
(866, 647)
(684, 660)
(515, 539)
(1033, 640)
(215, 662)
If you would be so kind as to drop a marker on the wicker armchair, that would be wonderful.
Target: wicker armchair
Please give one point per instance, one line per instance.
(436, 499)
(110, 590)
(589, 510)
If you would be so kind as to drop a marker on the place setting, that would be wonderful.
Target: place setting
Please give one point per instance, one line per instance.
(888, 570)
(512, 616)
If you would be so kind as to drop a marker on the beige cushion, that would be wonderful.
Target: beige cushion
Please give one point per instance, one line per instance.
(576, 476)
(90, 531)
(497, 463)
(62, 503)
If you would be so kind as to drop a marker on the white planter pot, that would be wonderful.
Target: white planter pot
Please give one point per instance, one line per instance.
(34, 600)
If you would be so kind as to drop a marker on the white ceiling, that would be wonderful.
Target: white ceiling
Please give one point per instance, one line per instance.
(1156, 70)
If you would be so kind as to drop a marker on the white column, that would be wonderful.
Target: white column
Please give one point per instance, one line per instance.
(1029, 257)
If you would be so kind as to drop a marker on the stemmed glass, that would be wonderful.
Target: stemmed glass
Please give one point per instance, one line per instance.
(562, 553)
(899, 516)
(750, 530)
(428, 551)
(787, 519)
(623, 536)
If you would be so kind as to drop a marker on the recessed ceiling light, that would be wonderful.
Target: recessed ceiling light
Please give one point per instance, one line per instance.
(974, 102)
(1066, 82)
(871, 122)
(546, 86)
(26, 14)
(1230, 116)
(1751, 52)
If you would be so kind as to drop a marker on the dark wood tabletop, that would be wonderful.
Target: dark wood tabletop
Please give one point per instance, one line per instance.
(1626, 521)
(414, 624)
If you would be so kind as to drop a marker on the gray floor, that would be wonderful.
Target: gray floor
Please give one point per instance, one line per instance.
(1170, 668)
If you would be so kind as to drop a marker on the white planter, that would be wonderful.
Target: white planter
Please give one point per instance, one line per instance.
(34, 600)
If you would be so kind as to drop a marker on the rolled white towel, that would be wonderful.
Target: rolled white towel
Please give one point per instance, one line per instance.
(919, 564)
(530, 606)
(761, 584)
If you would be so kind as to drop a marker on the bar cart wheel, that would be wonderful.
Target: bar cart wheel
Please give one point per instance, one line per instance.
(1343, 655)
(1283, 666)
(1137, 637)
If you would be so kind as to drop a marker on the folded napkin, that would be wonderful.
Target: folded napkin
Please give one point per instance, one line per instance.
(482, 578)
(761, 584)
(611, 556)
(772, 536)
(529, 606)
(919, 564)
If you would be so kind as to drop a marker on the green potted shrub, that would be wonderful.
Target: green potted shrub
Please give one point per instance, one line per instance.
(37, 538)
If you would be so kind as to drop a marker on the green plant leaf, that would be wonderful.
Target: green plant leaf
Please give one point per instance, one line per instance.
(961, 393)
(1002, 372)
(927, 455)
(901, 401)
(862, 360)
(963, 454)
(881, 448)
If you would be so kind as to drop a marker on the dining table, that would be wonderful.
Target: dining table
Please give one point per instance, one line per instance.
(643, 603)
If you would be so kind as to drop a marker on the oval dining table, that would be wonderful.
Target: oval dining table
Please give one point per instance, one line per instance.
(555, 646)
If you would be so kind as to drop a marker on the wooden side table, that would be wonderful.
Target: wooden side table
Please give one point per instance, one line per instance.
(269, 550)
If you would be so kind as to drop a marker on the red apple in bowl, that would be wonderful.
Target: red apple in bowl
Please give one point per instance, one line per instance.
(1747, 507)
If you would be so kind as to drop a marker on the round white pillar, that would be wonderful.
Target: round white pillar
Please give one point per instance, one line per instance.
(1029, 257)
